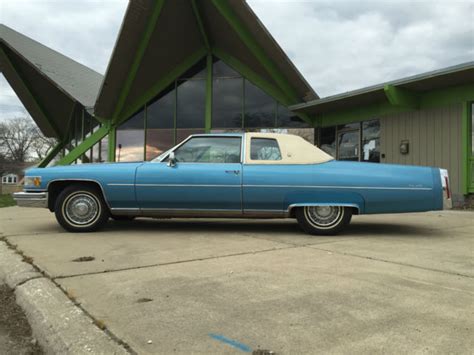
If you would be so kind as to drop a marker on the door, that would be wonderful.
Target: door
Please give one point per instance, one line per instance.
(348, 145)
(206, 176)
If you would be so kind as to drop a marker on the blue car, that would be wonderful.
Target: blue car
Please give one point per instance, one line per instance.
(241, 175)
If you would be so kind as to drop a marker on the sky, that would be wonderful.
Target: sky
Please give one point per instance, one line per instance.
(338, 45)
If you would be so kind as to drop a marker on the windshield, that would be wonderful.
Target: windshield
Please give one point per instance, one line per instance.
(160, 157)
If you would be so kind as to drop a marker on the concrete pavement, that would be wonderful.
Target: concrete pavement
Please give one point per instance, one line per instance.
(390, 283)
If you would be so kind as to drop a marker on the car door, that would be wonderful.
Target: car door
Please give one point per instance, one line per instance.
(206, 176)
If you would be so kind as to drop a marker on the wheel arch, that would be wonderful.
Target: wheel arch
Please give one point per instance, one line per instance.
(55, 187)
(356, 208)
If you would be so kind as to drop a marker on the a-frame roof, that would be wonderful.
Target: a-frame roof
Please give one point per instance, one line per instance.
(160, 39)
(48, 83)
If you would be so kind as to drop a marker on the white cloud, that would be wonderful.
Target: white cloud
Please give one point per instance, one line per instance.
(337, 45)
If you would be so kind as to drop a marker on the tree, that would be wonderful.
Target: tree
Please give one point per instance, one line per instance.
(22, 141)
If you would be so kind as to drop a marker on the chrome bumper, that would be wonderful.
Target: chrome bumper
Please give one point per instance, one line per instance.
(31, 199)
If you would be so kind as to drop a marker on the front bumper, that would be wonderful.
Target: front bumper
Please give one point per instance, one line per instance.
(31, 199)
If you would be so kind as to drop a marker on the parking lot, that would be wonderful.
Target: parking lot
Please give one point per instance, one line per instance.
(390, 283)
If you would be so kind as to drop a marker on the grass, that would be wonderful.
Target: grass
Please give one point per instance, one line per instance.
(6, 201)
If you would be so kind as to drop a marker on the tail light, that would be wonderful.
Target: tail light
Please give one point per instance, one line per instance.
(445, 182)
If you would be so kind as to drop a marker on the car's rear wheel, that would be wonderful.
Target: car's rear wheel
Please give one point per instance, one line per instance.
(81, 208)
(323, 220)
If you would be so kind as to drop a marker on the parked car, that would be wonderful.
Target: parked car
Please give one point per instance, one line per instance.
(243, 175)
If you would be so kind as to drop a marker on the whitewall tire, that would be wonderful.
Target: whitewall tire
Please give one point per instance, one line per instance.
(81, 208)
(323, 220)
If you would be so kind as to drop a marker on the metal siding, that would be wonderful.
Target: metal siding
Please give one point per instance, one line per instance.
(434, 136)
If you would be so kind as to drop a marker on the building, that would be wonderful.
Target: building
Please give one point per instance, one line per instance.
(221, 70)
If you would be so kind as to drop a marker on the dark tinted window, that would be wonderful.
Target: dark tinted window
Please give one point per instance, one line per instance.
(264, 149)
(227, 96)
(286, 118)
(210, 150)
(328, 140)
(130, 139)
(191, 101)
(259, 107)
(160, 112)
(222, 70)
(158, 141)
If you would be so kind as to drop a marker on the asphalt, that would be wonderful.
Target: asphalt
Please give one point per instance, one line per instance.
(390, 283)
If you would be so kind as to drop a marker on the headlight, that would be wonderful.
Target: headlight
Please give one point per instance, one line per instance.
(32, 181)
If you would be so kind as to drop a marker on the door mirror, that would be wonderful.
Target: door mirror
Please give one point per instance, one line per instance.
(171, 160)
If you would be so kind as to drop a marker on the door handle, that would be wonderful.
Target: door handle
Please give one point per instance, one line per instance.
(236, 172)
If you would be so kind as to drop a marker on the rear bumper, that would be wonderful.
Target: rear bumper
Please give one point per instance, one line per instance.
(31, 199)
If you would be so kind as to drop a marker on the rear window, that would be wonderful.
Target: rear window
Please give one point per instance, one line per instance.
(264, 149)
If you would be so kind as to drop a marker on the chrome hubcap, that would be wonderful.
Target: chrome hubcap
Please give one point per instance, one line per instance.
(323, 216)
(82, 209)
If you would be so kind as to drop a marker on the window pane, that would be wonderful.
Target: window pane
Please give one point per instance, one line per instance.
(222, 70)
(130, 139)
(328, 140)
(348, 146)
(371, 141)
(158, 141)
(227, 103)
(259, 107)
(160, 112)
(198, 71)
(182, 134)
(286, 118)
(210, 150)
(104, 149)
(264, 149)
(191, 104)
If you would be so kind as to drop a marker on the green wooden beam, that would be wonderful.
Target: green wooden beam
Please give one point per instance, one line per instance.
(465, 148)
(401, 97)
(138, 58)
(84, 146)
(51, 154)
(200, 24)
(9, 65)
(208, 113)
(251, 43)
(112, 144)
(161, 84)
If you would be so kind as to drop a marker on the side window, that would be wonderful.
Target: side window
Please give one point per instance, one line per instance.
(264, 149)
(209, 150)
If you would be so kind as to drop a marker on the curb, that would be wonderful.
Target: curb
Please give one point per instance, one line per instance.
(59, 326)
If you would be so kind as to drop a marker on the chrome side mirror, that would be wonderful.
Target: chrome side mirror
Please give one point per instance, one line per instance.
(171, 160)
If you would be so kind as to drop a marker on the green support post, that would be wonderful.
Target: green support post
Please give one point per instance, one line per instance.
(51, 155)
(465, 149)
(112, 144)
(208, 114)
(84, 146)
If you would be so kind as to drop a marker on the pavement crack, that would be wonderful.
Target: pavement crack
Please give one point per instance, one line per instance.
(176, 262)
(392, 262)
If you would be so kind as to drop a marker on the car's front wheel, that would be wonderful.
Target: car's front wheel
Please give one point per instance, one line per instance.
(81, 208)
(323, 220)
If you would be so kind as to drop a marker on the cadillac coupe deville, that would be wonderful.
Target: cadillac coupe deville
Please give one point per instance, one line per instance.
(243, 175)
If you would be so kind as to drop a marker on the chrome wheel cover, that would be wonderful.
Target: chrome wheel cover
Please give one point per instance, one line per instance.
(324, 217)
(81, 209)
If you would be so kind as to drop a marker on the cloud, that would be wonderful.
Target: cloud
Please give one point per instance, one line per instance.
(345, 45)
(337, 45)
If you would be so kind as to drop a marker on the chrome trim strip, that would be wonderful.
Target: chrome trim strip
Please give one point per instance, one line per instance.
(294, 205)
(191, 209)
(184, 185)
(31, 199)
(342, 187)
(114, 184)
